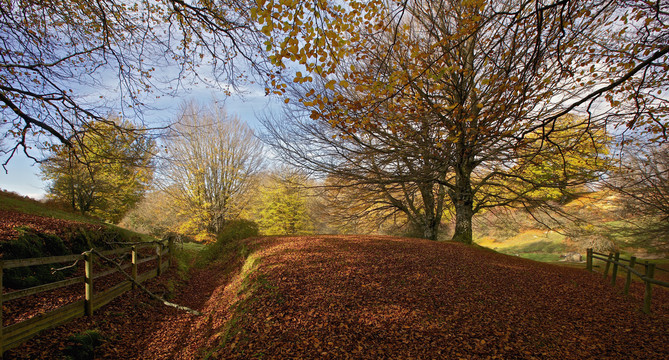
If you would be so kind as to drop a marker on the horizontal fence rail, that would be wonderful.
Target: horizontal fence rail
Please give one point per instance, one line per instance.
(614, 261)
(15, 334)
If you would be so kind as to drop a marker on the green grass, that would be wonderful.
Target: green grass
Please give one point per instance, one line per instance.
(186, 254)
(541, 246)
(18, 203)
(538, 245)
(543, 257)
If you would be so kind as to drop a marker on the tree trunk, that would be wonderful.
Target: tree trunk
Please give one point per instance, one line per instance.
(431, 218)
(463, 200)
(463, 222)
(430, 230)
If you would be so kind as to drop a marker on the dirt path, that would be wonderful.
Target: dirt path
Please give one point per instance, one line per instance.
(138, 327)
(378, 297)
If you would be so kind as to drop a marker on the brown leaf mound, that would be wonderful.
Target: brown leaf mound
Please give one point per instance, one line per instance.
(10, 220)
(365, 297)
(381, 297)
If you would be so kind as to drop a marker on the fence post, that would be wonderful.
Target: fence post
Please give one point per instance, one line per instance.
(608, 264)
(650, 271)
(629, 275)
(588, 259)
(88, 278)
(134, 265)
(170, 250)
(614, 274)
(159, 251)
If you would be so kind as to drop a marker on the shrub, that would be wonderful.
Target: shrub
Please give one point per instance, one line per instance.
(227, 240)
(82, 346)
(30, 244)
(237, 230)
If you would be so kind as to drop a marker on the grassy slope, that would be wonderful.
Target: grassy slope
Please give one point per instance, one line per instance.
(521, 236)
(12, 202)
(530, 244)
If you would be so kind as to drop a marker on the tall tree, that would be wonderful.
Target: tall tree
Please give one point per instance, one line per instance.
(470, 93)
(213, 159)
(283, 206)
(105, 174)
(642, 184)
(386, 172)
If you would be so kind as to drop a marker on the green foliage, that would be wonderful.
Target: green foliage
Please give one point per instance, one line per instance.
(237, 230)
(573, 154)
(284, 208)
(82, 346)
(31, 244)
(105, 174)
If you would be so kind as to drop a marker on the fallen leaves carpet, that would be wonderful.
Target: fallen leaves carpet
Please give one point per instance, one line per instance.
(362, 297)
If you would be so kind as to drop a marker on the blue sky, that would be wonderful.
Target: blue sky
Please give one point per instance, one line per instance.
(23, 176)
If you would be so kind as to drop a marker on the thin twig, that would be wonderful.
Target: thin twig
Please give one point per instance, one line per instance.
(53, 270)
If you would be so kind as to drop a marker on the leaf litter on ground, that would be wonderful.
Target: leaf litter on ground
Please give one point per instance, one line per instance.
(368, 297)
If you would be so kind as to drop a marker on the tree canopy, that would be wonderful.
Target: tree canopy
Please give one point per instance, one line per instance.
(105, 173)
(212, 163)
(468, 98)
(283, 208)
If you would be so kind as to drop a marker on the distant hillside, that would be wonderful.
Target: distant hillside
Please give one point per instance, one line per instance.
(589, 220)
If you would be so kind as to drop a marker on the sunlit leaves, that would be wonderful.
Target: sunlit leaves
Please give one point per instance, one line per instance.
(213, 160)
(105, 174)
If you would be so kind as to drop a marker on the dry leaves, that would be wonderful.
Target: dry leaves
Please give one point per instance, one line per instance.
(371, 297)
(379, 297)
(10, 220)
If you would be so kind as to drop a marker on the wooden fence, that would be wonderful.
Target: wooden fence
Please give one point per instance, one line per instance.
(614, 261)
(15, 334)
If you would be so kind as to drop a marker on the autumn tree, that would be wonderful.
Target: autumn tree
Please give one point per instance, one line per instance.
(351, 208)
(105, 173)
(641, 183)
(155, 215)
(67, 63)
(378, 173)
(561, 167)
(487, 82)
(58, 57)
(283, 207)
(212, 163)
